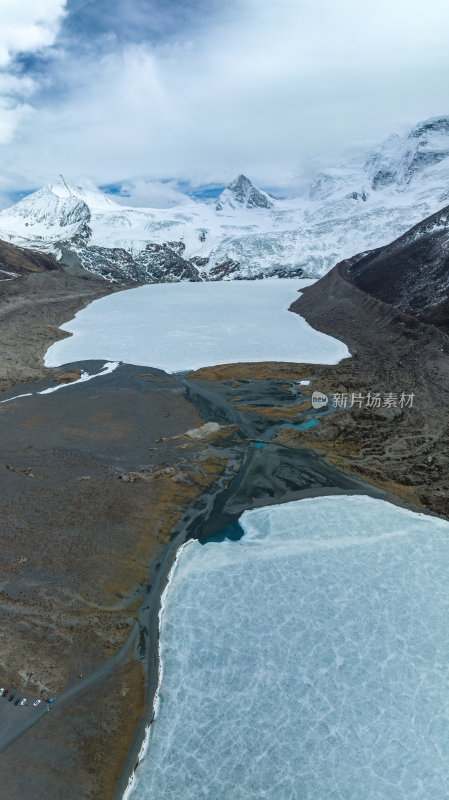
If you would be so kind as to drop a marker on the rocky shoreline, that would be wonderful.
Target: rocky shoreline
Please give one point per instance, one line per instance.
(403, 450)
(32, 306)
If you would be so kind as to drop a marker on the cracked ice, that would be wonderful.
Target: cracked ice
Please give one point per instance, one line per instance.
(309, 659)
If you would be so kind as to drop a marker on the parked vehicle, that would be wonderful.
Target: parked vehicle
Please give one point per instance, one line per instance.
(16, 702)
(1, 691)
(11, 697)
(5, 692)
(36, 702)
(23, 702)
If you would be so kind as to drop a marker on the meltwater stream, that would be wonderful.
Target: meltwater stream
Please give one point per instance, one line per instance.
(307, 659)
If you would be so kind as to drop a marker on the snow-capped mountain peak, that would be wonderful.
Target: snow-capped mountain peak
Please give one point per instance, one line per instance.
(401, 160)
(360, 205)
(85, 191)
(58, 211)
(415, 165)
(43, 213)
(242, 193)
(433, 125)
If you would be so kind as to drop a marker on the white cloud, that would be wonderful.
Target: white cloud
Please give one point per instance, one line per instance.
(266, 91)
(28, 26)
(150, 194)
(11, 116)
(12, 85)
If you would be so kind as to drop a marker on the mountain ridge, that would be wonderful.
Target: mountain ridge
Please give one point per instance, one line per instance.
(412, 273)
(245, 232)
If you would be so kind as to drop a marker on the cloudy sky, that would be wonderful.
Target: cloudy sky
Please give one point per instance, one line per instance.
(160, 97)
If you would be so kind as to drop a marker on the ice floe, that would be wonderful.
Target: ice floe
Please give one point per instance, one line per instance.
(309, 659)
(181, 326)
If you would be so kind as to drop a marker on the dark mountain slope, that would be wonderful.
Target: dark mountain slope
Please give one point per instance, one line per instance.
(380, 304)
(411, 273)
(36, 296)
(21, 262)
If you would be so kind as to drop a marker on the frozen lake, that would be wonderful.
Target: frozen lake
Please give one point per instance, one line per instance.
(308, 660)
(182, 326)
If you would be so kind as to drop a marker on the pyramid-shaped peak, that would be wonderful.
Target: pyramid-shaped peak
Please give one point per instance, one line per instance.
(242, 193)
(241, 183)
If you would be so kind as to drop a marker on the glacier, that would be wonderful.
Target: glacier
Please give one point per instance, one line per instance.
(350, 208)
(307, 660)
(185, 326)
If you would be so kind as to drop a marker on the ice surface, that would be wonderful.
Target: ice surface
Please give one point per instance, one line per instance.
(308, 660)
(184, 326)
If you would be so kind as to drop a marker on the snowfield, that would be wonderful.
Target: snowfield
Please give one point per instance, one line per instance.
(246, 233)
(182, 326)
(307, 660)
